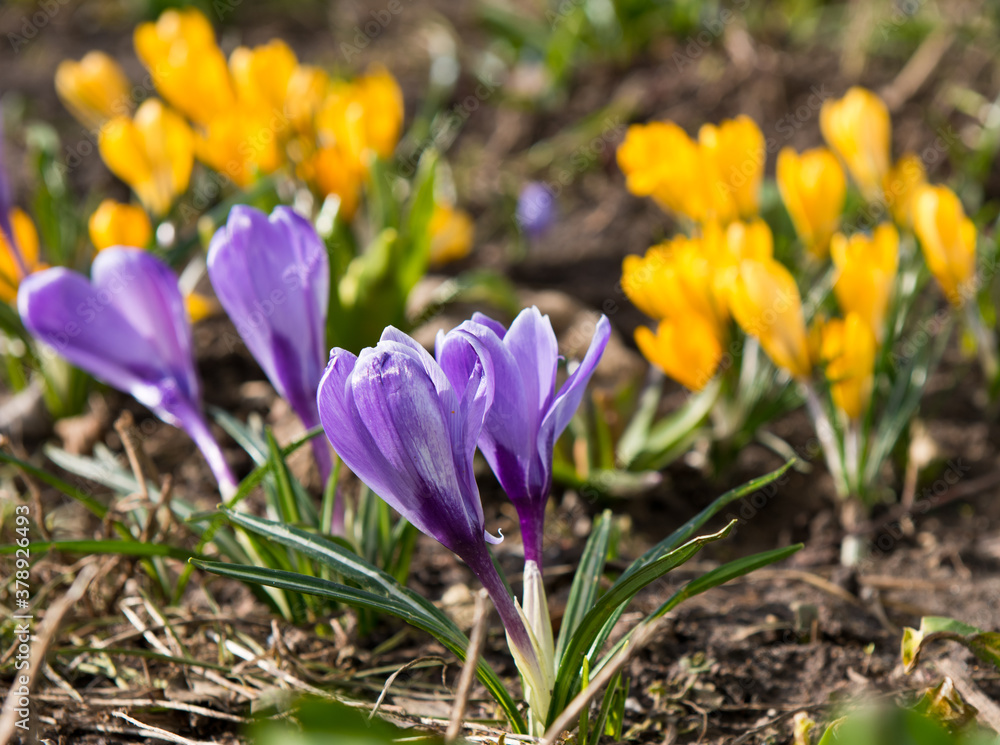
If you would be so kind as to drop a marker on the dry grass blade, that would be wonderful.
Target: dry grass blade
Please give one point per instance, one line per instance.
(155, 733)
(392, 679)
(43, 638)
(469, 669)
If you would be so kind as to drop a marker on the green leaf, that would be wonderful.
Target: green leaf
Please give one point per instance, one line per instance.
(594, 628)
(396, 604)
(121, 548)
(984, 644)
(254, 445)
(666, 440)
(688, 529)
(95, 507)
(714, 578)
(587, 580)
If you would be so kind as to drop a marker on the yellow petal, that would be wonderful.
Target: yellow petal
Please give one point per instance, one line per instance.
(153, 153)
(26, 238)
(733, 156)
(948, 239)
(813, 188)
(848, 350)
(686, 349)
(117, 224)
(857, 127)
(186, 64)
(866, 272)
(94, 89)
(261, 75)
(765, 301)
(200, 307)
(451, 231)
(900, 185)
(333, 171)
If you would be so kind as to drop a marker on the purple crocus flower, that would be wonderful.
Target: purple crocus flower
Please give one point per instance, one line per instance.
(527, 415)
(272, 276)
(128, 327)
(410, 434)
(536, 209)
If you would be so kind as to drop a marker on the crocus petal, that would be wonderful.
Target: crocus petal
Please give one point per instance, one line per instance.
(144, 290)
(395, 426)
(62, 309)
(498, 328)
(272, 276)
(513, 418)
(568, 399)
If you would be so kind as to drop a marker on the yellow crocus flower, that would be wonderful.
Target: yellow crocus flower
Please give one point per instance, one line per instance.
(948, 239)
(199, 307)
(242, 144)
(261, 76)
(858, 129)
(765, 301)
(813, 188)
(451, 233)
(334, 171)
(733, 155)
(382, 101)
(362, 117)
(186, 64)
(661, 161)
(901, 184)
(687, 349)
(866, 270)
(117, 224)
(848, 350)
(727, 248)
(94, 89)
(26, 238)
(675, 279)
(307, 89)
(152, 152)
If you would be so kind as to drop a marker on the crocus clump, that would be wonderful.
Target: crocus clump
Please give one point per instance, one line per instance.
(410, 433)
(272, 276)
(126, 326)
(528, 414)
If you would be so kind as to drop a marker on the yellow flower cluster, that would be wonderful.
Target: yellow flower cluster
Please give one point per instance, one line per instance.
(692, 286)
(714, 179)
(251, 115)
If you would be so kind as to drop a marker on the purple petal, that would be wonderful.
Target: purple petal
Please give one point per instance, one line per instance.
(533, 344)
(272, 276)
(498, 328)
(510, 427)
(536, 209)
(568, 399)
(385, 417)
(61, 308)
(144, 290)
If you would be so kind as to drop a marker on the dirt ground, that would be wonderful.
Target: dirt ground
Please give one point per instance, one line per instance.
(732, 666)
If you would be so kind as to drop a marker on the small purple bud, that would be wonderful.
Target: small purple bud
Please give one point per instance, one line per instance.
(536, 209)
